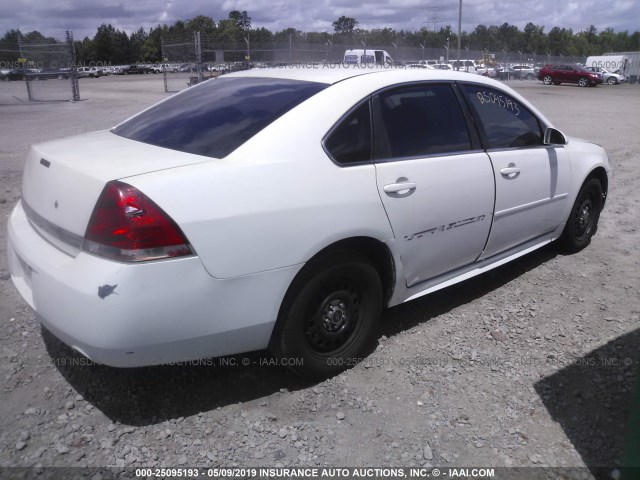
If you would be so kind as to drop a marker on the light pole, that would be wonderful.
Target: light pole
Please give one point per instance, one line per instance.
(459, 34)
(422, 45)
(466, 66)
(447, 47)
(246, 39)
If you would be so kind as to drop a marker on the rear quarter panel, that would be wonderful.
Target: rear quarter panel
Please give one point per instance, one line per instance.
(278, 199)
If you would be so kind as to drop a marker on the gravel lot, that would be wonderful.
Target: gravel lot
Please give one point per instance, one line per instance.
(524, 366)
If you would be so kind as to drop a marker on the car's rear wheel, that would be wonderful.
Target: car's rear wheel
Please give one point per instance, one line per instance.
(612, 80)
(583, 82)
(329, 318)
(547, 80)
(529, 76)
(583, 220)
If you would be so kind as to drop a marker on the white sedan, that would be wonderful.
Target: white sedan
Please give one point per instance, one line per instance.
(284, 208)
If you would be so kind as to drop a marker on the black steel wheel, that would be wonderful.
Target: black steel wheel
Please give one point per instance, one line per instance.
(329, 318)
(582, 223)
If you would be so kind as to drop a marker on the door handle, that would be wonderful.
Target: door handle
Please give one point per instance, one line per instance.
(403, 188)
(511, 171)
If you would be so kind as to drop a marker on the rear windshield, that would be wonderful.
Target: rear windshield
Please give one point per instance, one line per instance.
(216, 118)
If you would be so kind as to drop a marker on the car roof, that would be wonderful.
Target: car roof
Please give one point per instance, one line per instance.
(334, 73)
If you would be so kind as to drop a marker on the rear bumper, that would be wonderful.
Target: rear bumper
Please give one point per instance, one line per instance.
(128, 315)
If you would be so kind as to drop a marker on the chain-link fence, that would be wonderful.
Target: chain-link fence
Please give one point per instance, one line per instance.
(55, 77)
(190, 59)
(47, 69)
(184, 62)
(191, 52)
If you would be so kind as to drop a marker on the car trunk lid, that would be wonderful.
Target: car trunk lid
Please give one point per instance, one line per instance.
(64, 178)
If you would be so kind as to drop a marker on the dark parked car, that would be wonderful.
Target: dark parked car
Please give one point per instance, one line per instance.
(50, 73)
(558, 74)
(18, 73)
(133, 69)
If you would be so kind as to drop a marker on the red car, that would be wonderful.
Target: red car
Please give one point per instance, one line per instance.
(558, 74)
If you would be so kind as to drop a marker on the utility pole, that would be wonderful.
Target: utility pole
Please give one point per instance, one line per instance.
(248, 40)
(433, 19)
(459, 34)
(198, 52)
(447, 47)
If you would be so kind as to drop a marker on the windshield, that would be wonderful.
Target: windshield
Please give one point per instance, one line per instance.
(216, 118)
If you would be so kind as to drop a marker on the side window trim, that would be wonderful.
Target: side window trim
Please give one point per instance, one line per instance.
(336, 125)
(472, 124)
(380, 139)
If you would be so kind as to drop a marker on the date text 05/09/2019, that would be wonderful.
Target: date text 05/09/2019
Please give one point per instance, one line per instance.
(316, 472)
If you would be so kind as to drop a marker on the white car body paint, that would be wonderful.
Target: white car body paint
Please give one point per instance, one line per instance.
(255, 217)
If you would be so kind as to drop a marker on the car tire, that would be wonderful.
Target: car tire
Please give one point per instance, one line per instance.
(612, 81)
(529, 76)
(582, 223)
(329, 318)
(547, 80)
(583, 82)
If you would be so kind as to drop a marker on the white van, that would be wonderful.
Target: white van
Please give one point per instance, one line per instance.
(465, 66)
(612, 63)
(365, 56)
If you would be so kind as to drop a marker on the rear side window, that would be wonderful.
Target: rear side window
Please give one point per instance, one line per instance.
(421, 120)
(219, 116)
(506, 123)
(350, 141)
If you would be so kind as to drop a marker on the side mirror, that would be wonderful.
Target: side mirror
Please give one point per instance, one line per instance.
(553, 137)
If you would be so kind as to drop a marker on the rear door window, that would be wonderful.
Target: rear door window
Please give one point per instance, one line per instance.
(420, 120)
(217, 117)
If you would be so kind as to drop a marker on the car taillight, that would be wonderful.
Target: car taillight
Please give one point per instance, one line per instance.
(126, 225)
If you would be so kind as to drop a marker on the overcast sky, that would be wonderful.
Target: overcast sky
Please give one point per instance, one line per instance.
(53, 17)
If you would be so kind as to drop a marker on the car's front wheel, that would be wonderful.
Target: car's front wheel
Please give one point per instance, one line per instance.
(583, 220)
(329, 318)
(612, 80)
(547, 80)
(583, 82)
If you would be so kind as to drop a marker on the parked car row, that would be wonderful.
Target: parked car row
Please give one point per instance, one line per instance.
(501, 72)
(35, 74)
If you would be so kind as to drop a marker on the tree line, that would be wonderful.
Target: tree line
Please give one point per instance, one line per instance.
(115, 46)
